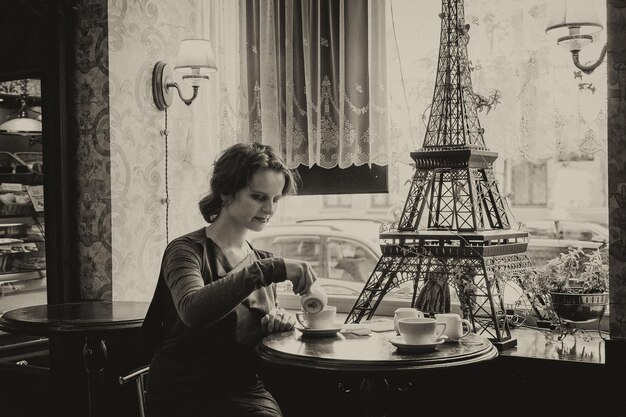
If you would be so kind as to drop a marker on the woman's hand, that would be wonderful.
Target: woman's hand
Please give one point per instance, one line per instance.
(277, 320)
(301, 275)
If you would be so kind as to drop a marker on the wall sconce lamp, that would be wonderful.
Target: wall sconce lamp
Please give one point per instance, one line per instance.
(574, 22)
(195, 61)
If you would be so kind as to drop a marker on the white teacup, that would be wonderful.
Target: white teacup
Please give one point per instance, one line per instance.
(404, 312)
(315, 300)
(325, 319)
(420, 331)
(454, 325)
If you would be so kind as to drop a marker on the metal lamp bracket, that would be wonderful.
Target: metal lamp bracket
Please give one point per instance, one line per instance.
(588, 69)
(161, 92)
(163, 86)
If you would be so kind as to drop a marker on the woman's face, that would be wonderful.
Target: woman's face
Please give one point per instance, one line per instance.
(253, 206)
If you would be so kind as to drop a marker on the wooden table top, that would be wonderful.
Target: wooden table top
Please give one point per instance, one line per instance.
(87, 317)
(347, 351)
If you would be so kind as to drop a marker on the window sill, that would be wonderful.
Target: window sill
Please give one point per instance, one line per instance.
(543, 344)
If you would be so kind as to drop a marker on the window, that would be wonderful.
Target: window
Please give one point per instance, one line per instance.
(337, 201)
(541, 230)
(305, 248)
(529, 184)
(343, 258)
(539, 115)
(380, 200)
(350, 261)
(351, 180)
(582, 231)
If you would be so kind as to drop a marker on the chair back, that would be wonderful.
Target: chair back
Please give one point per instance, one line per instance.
(139, 376)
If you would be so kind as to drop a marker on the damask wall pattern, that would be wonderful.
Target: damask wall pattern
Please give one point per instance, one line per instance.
(616, 62)
(140, 34)
(89, 139)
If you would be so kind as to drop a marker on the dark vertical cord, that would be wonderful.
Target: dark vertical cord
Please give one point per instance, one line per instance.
(167, 190)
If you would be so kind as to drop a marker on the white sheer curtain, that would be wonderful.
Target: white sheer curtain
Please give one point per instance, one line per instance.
(292, 74)
(307, 77)
(538, 105)
(224, 26)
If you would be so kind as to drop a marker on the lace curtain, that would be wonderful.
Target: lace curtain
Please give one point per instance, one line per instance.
(283, 81)
(307, 77)
(534, 104)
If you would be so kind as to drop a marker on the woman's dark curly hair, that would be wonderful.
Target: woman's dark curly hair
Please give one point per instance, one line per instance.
(234, 169)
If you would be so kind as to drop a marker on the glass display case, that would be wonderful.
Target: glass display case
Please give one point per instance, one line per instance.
(22, 229)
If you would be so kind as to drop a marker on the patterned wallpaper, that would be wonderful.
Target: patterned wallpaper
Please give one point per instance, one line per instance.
(140, 34)
(617, 163)
(89, 138)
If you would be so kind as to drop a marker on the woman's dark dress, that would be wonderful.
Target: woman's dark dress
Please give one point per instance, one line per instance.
(205, 365)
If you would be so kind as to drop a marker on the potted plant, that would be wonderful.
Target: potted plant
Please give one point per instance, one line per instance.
(574, 285)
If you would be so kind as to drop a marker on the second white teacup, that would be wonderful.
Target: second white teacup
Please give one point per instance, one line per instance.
(404, 312)
(325, 319)
(315, 300)
(454, 325)
(420, 331)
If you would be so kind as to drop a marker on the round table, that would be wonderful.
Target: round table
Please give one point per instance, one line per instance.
(373, 359)
(91, 320)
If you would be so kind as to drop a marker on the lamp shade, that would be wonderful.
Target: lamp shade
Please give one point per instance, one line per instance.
(195, 56)
(21, 125)
(568, 17)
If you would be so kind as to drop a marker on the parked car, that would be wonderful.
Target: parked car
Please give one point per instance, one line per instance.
(342, 261)
(549, 238)
(368, 227)
(344, 251)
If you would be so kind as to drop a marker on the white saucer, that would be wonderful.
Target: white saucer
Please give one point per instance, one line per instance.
(330, 331)
(400, 344)
(450, 340)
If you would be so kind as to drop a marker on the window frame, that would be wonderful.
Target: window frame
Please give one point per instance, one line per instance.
(354, 179)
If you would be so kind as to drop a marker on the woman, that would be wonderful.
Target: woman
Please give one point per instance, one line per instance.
(216, 298)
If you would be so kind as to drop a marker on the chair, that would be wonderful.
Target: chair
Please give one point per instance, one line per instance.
(139, 376)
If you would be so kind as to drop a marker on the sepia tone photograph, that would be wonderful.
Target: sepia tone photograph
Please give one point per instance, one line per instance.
(302, 208)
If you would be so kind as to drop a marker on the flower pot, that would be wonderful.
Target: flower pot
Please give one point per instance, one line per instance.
(579, 307)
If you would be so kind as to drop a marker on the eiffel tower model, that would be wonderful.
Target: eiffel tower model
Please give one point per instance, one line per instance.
(454, 228)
